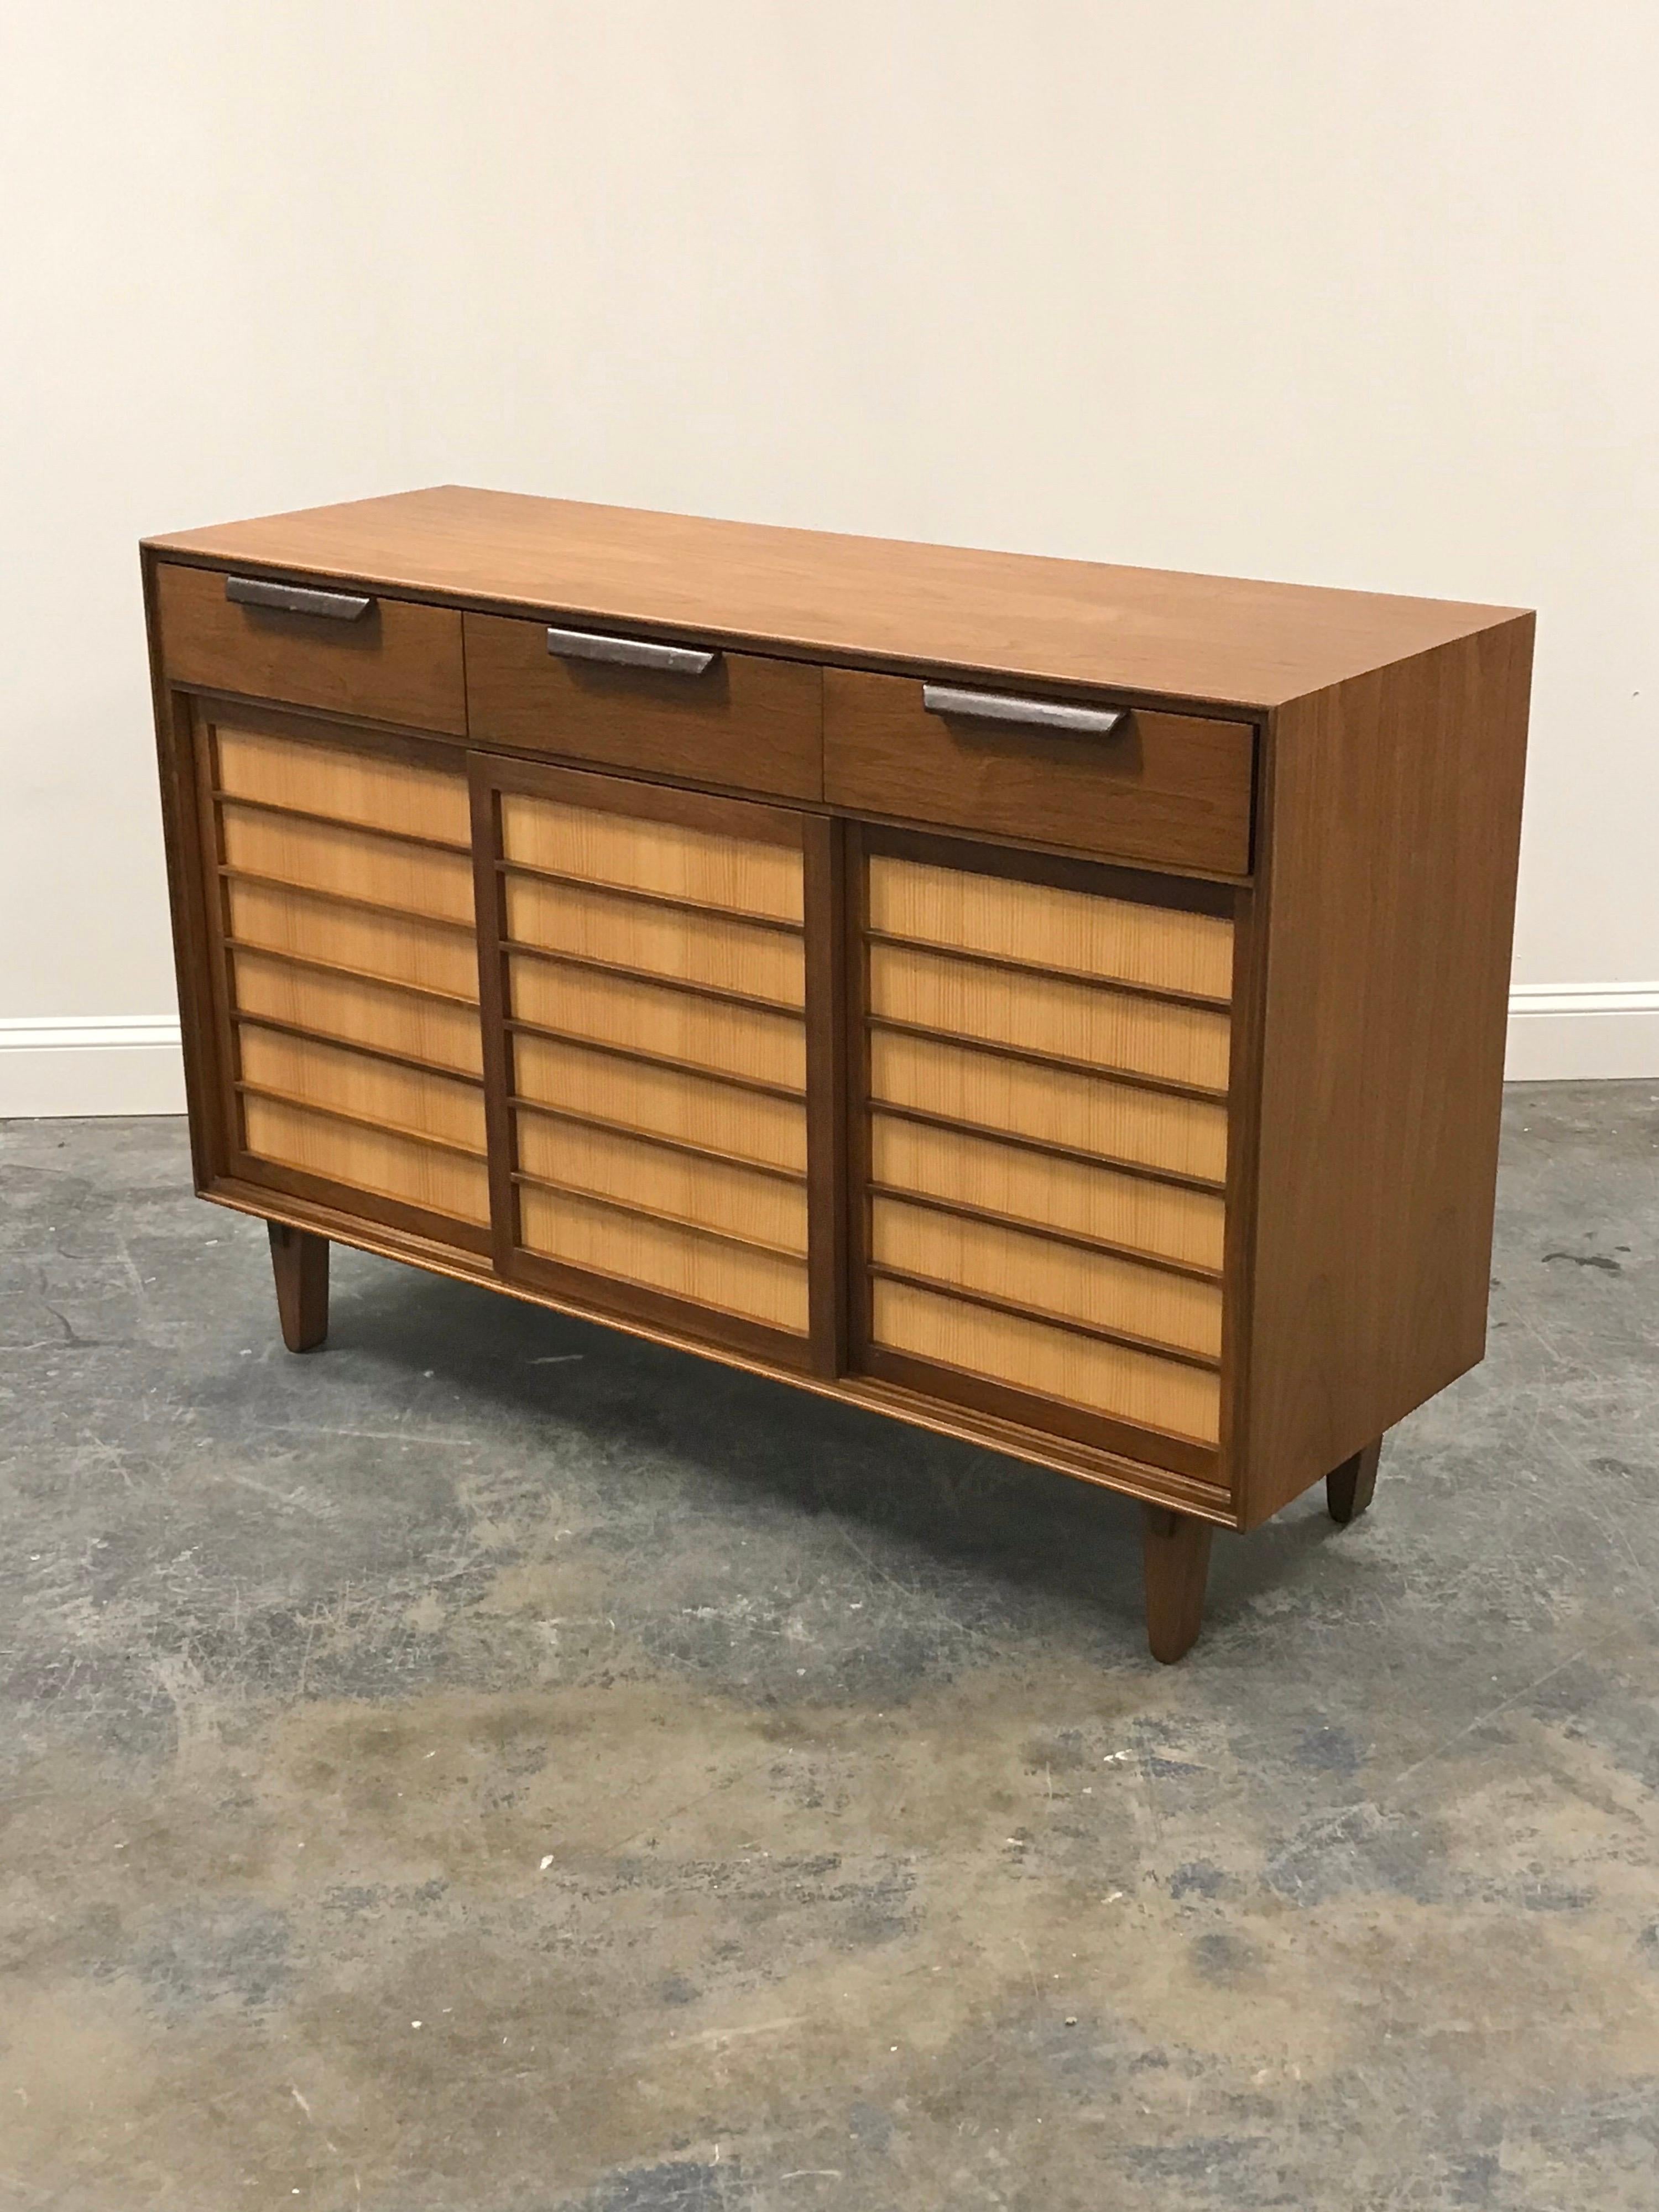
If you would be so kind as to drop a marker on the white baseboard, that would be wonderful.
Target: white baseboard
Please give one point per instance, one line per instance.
(1565, 1032)
(91, 1064)
(133, 1063)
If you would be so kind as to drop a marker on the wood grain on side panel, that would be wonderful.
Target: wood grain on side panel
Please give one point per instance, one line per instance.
(1394, 809)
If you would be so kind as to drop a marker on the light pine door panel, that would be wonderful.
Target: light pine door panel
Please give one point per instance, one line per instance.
(648, 949)
(1040, 1142)
(341, 882)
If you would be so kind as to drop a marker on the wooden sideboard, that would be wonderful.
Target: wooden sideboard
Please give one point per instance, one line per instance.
(1055, 1005)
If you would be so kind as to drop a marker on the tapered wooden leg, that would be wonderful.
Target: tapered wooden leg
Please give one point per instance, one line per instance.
(1348, 1488)
(299, 1259)
(1177, 1553)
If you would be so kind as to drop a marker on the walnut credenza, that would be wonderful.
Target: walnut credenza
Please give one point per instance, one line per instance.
(1059, 1006)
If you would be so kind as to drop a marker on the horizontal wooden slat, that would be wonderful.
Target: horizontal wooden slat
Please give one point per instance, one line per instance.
(1124, 1210)
(661, 1100)
(657, 898)
(669, 1143)
(355, 863)
(672, 858)
(373, 1160)
(1027, 1269)
(703, 1270)
(659, 1180)
(376, 1124)
(353, 974)
(370, 788)
(375, 1091)
(314, 926)
(1052, 1363)
(1158, 948)
(1027, 967)
(681, 943)
(745, 1040)
(1077, 1022)
(350, 1012)
(1051, 1105)
(608, 971)
(307, 814)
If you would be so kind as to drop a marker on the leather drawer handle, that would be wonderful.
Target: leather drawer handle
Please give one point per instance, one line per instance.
(1031, 713)
(297, 599)
(630, 652)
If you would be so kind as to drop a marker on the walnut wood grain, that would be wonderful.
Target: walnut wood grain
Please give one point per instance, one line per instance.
(1395, 804)
(1349, 1488)
(750, 721)
(1171, 1166)
(1176, 1552)
(299, 1261)
(400, 663)
(1171, 789)
(1216, 639)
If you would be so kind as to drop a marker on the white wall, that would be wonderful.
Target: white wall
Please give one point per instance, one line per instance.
(1347, 295)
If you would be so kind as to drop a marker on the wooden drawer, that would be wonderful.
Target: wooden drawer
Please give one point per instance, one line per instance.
(753, 724)
(1171, 789)
(394, 662)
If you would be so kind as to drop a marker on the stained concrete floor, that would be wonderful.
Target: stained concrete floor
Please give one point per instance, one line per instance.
(495, 1764)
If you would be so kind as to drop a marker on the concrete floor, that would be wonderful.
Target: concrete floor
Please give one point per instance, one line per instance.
(495, 1764)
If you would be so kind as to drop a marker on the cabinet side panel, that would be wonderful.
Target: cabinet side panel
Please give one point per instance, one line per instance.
(187, 896)
(1394, 832)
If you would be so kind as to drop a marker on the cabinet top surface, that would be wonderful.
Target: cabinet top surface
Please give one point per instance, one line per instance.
(1215, 639)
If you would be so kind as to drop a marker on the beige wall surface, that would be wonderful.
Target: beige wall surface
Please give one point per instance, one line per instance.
(1359, 296)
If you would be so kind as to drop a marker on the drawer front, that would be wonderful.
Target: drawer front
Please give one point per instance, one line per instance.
(1042, 1141)
(391, 662)
(753, 724)
(1171, 789)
